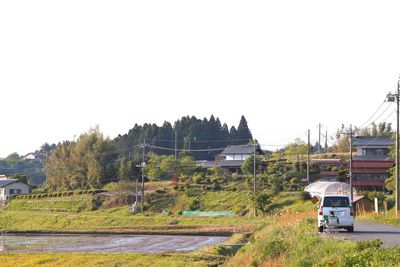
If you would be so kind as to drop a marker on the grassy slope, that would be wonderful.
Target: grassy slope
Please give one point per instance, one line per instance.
(291, 239)
(45, 215)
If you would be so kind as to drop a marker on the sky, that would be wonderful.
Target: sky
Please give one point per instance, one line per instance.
(66, 66)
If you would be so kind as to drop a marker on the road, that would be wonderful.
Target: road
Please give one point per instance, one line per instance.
(390, 235)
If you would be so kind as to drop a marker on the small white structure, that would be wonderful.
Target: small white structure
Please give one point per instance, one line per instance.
(10, 187)
(319, 189)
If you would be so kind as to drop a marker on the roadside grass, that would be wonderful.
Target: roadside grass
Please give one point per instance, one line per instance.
(100, 259)
(388, 217)
(292, 240)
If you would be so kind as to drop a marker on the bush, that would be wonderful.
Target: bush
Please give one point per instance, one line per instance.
(197, 178)
(195, 204)
(305, 195)
(294, 180)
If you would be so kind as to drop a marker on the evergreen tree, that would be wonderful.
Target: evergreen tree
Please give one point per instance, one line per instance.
(243, 131)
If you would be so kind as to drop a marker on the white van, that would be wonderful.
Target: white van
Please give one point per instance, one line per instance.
(341, 208)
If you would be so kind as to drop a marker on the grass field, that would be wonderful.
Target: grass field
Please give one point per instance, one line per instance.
(291, 240)
(85, 259)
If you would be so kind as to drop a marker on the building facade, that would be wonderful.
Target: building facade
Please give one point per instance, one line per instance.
(10, 187)
(371, 166)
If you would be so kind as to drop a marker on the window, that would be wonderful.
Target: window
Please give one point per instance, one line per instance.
(336, 202)
(14, 191)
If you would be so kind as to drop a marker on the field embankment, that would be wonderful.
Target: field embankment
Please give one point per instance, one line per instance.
(292, 240)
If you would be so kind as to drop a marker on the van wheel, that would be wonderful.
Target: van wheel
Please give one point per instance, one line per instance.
(350, 229)
(321, 229)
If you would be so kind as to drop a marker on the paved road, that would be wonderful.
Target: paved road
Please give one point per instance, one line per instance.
(390, 235)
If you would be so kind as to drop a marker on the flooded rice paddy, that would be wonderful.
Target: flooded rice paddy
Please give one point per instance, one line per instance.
(105, 243)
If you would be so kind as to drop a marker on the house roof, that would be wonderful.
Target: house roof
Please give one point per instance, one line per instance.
(372, 141)
(230, 163)
(6, 182)
(238, 149)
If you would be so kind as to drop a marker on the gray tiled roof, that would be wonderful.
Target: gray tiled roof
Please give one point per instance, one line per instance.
(238, 149)
(230, 163)
(372, 141)
(3, 183)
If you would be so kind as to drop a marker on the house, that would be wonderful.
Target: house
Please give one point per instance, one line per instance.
(371, 166)
(231, 158)
(328, 168)
(10, 187)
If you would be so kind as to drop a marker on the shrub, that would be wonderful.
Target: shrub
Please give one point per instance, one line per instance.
(195, 204)
(305, 195)
(197, 178)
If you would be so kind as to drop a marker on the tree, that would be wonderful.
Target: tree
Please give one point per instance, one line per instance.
(243, 131)
(13, 159)
(298, 147)
(21, 178)
(248, 165)
(80, 164)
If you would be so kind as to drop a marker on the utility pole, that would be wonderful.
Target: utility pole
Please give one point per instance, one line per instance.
(254, 178)
(397, 150)
(351, 165)
(319, 138)
(326, 141)
(176, 150)
(143, 165)
(308, 156)
(395, 98)
(350, 134)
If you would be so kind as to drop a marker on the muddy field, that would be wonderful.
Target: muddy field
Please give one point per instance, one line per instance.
(106, 243)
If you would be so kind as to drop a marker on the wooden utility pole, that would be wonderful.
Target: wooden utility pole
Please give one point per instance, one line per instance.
(397, 150)
(319, 138)
(326, 141)
(176, 150)
(351, 165)
(308, 156)
(396, 98)
(254, 178)
(143, 165)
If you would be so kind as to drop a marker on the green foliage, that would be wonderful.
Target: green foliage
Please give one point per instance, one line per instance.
(248, 165)
(298, 147)
(262, 201)
(79, 164)
(276, 182)
(294, 180)
(195, 204)
(216, 171)
(197, 178)
(305, 195)
(165, 167)
(21, 178)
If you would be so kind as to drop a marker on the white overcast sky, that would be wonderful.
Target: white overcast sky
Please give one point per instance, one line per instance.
(286, 65)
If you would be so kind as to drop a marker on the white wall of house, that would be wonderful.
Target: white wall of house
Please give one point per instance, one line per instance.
(16, 188)
(237, 157)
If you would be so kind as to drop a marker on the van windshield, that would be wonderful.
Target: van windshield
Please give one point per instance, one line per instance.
(336, 202)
